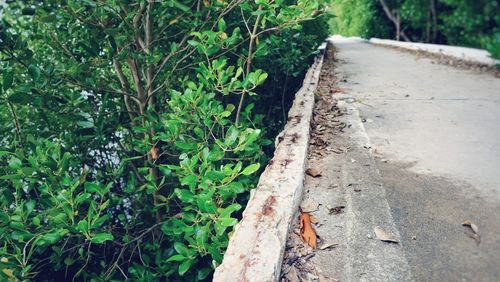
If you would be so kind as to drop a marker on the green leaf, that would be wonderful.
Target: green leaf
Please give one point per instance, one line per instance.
(53, 237)
(203, 273)
(184, 267)
(190, 180)
(91, 187)
(180, 6)
(231, 136)
(202, 238)
(221, 24)
(30, 206)
(229, 210)
(83, 226)
(223, 223)
(251, 169)
(20, 98)
(100, 238)
(185, 146)
(261, 78)
(206, 204)
(11, 176)
(34, 72)
(69, 261)
(98, 222)
(21, 236)
(36, 221)
(181, 248)
(216, 253)
(176, 258)
(4, 153)
(85, 124)
(15, 163)
(48, 18)
(82, 198)
(184, 195)
(215, 154)
(8, 78)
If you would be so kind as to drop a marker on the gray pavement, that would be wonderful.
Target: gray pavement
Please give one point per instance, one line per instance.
(434, 133)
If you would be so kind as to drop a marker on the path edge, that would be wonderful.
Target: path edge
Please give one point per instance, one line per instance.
(467, 54)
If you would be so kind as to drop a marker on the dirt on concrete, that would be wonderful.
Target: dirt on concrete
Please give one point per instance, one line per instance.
(347, 201)
(448, 60)
(300, 260)
(406, 145)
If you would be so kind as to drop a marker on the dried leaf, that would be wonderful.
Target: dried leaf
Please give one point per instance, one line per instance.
(307, 231)
(154, 153)
(471, 225)
(8, 272)
(309, 205)
(335, 210)
(474, 229)
(384, 236)
(313, 172)
(327, 245)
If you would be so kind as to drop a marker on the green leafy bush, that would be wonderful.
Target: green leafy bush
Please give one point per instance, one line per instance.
(456, 22)
(132, 132)
(472, 23)
(358, 18)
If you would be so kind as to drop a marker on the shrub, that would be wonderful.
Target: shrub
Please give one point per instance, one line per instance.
(130, 131)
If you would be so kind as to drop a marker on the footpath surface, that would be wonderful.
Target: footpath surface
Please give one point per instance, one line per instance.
(409, 146)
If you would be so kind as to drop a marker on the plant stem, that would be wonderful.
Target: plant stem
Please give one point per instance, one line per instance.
(16, 122)
(249, 62)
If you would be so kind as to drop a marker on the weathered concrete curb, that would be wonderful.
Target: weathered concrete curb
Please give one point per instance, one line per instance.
(472, 55)
(255, 250)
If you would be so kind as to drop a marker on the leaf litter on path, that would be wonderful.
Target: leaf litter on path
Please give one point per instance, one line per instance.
(313, 172)
(307, 232)
(474, 229)
(382, 235)
(335, 210)
(328, 245)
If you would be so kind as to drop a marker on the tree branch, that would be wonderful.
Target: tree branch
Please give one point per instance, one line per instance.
(249, 62)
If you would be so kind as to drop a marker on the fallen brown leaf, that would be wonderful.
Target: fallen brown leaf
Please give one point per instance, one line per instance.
(335, 210)
(307, 231)
(384, 236)
(471, 225)
(474, 229)
(313, 172)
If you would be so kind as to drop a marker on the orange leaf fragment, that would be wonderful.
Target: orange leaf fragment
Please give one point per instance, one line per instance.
(154, 153)
(306, 230)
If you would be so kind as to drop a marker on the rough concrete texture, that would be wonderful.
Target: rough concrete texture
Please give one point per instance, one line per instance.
(341, 150)
(435, 137)
(255, 249)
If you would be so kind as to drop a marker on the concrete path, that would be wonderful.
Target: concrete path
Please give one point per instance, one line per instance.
(434, 133)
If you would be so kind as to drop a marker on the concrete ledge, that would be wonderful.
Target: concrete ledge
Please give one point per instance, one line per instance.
(255, 250)
(472, 55)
